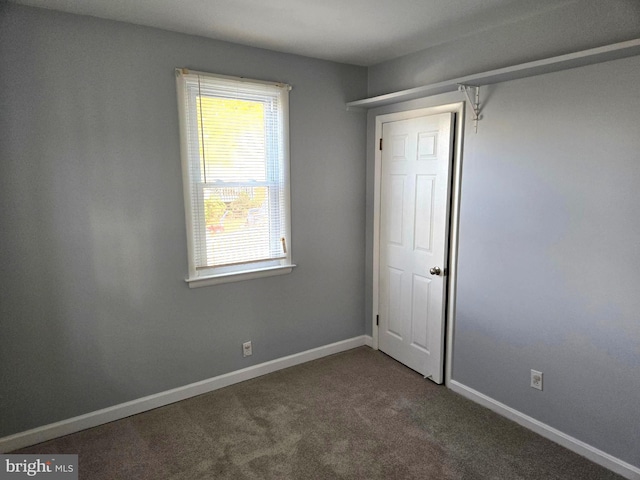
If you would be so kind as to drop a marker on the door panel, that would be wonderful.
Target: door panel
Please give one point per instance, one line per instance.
(395, 302)
(396, 207)
(414, 200)
(424, 210)
(421, 294)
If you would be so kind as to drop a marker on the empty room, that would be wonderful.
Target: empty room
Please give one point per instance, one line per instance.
(296, 239)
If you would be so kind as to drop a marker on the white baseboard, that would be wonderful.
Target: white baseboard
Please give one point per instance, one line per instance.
(368, 341)
(123, 410)
(597, 456)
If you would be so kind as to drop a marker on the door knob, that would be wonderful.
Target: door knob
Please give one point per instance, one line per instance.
(435, 271)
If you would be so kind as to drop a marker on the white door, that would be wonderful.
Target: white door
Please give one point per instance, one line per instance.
(414, 226)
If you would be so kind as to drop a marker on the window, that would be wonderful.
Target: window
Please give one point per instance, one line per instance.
(235, 164)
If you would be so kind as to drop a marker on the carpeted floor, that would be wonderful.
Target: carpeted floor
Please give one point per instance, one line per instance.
(355, 415)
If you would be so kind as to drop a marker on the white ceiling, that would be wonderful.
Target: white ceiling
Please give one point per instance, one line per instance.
(360, 32)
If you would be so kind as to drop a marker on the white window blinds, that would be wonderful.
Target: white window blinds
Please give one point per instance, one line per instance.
(235, 167)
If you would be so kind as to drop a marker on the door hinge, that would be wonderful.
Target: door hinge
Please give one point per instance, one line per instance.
(380, 144)
(377, 320)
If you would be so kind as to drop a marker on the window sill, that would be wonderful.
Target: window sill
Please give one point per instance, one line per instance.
(197, 282)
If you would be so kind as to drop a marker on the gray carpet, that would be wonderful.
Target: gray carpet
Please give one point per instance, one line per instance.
(355, 415)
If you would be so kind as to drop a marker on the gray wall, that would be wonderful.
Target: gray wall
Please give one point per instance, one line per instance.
(93, 307)
(572, 27)
(549, 254)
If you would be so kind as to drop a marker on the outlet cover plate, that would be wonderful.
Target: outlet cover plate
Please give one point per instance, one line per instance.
(536, 379)
(247, 349)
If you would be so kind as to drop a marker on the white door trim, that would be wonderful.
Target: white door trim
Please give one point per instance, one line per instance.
(456, 175)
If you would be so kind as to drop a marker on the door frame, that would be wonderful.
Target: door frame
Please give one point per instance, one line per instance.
(454, 216)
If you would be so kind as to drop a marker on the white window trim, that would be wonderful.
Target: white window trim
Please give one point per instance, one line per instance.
(195, 279)
(205, 281)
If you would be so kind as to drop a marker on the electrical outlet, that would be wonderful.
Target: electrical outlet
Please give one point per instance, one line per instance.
(246, 349)
(536, 379)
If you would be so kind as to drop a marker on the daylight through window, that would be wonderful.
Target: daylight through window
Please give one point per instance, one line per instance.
(236, 170)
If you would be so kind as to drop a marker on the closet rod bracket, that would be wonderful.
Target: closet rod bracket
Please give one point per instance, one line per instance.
(474, 104)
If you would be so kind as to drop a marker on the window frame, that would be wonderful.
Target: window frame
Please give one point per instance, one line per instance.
(195, 227)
